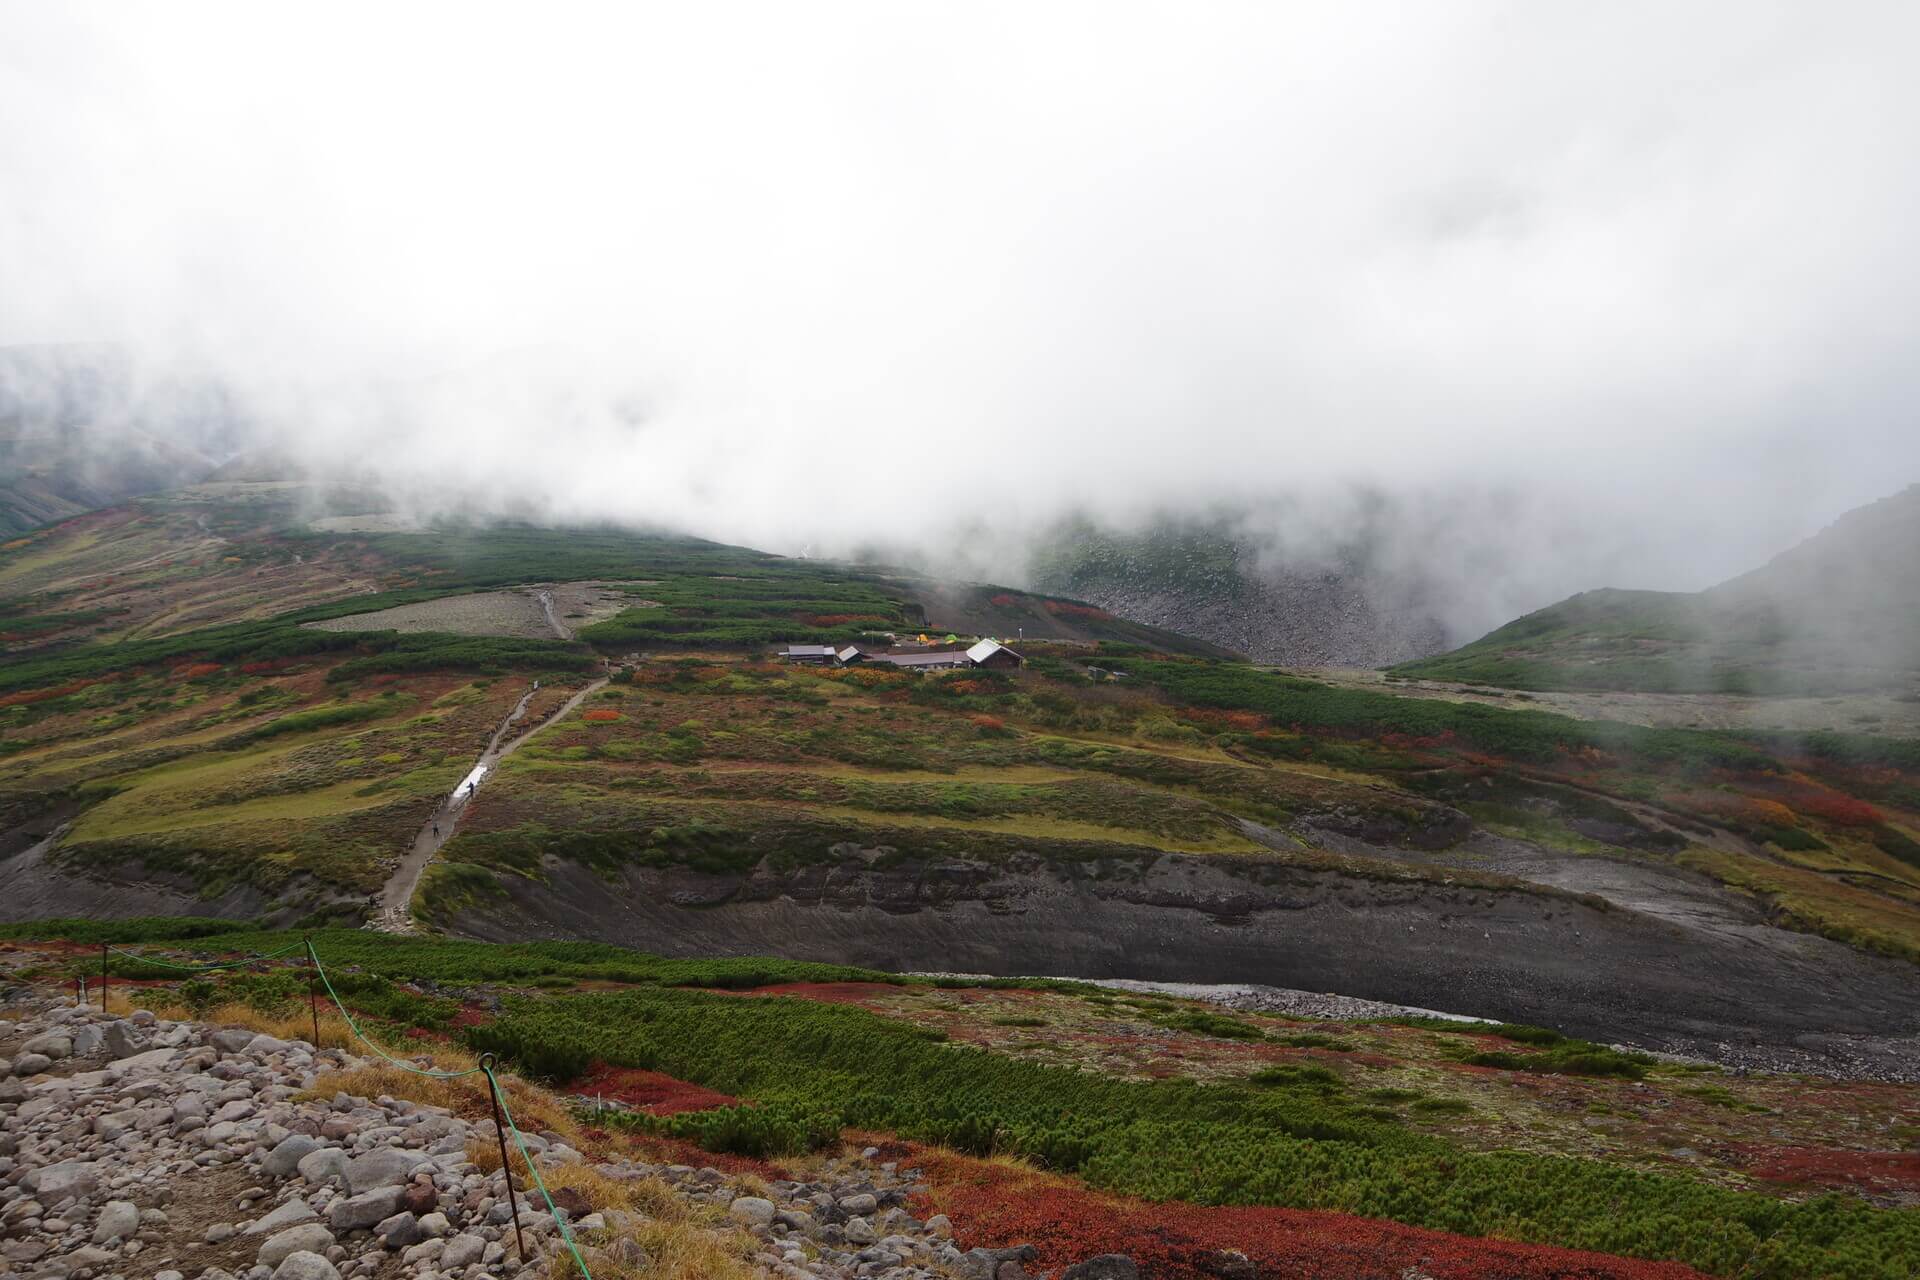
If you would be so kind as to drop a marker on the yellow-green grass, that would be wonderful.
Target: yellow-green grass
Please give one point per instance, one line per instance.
(1817, 903)
(133, 813)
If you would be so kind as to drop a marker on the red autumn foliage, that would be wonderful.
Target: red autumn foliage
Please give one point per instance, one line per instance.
(1004, 600)
(992, 723)
(1066, 609)
(991, 1204)
(44, 695)
(1247, 721)
(600, 716)
(196, 670)
(649, 1091)
(1885, 1174)
(1832, 806)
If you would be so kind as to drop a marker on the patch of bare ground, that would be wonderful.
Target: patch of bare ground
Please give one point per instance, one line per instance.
(518, 611)
(1883, 714)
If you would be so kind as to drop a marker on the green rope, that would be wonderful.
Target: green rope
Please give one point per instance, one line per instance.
(364, 1039)
(204, 968)
(566, 1233)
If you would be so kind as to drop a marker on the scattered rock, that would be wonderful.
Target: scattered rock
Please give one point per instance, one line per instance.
(285, 1158)
(308, 1237)
(753, 1211)
(120, 1219)
(292, 1213)
(1107, 1266)
(304, 1266)
(354, 1213)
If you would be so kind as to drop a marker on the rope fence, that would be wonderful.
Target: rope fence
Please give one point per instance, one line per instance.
(496, 1093)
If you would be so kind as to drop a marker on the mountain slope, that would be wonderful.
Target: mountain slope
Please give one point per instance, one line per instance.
(1328, 609)
(1839, 612)
(78, 432)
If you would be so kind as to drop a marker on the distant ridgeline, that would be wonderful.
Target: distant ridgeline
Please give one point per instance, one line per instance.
(1840, 612)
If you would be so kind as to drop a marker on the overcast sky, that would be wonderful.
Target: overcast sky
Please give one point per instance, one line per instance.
(803, 274)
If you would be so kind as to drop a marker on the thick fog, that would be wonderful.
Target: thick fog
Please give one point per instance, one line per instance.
(1613, 294)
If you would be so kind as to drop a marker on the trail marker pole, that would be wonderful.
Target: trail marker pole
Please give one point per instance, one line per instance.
(506, 1168)
(103, 977)
(313, 997)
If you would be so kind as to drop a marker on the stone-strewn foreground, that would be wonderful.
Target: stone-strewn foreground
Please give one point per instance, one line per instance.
(153, 1150)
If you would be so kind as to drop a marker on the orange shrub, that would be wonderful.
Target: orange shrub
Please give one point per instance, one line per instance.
(600, 716)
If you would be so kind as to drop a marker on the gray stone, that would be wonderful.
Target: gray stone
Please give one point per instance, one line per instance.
(324, 1165)
(290, 1214)
(113, 1126)
(353, 1213)
(85, 1040)
(401, 1231)
(55, 1182)
(387, 1166)
(752, 1211)
(308, 1237)
(860, 1231)
(52, 1044)
(28, 1064)
(263, 1044)
(285, 1158)
(859, 1205)
(940, 1225)
(88, 1256)
(1106, 1266)
(120, 1219)
(140, 1063)
(305, 1266)
(119, 1040)
(434, 1225)
(231, 1039)
(462, 1251)
(219, 1233)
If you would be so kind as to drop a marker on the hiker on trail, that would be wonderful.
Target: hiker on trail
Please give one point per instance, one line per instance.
(436, 828)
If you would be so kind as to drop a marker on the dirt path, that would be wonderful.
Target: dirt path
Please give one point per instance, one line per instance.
(396, 898)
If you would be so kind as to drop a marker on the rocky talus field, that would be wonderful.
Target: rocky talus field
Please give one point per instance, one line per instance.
(135, 1146)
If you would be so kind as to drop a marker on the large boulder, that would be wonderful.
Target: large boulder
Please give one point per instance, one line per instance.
(55, 1182)
(306, 1266)
(385, 1167)
(231, 1039)
(462, 1251)
(291, 1214)
(752, 1211)
(120, 1040)
(50, 1044)
(325, 1165)
(284, 1159)
(308, 1237)
(1106, 1266)
(119, 1220)
(141, 1063)
(368, 1209)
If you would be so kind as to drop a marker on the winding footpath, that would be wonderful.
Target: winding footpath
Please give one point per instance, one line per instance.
(395, 913)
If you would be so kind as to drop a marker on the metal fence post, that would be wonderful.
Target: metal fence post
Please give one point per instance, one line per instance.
(313, 998)
(506, 1168)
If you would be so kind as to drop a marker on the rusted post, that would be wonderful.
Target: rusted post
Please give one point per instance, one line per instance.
(313, 994)
(103, 977)
(506, 1168)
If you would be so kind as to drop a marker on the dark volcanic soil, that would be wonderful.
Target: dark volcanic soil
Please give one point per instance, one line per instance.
(1611, 973)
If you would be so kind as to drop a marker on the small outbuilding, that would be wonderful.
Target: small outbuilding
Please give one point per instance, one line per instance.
(818, 655)
(993, 654)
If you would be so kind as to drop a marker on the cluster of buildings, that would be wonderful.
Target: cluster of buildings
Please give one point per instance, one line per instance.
(985, 653)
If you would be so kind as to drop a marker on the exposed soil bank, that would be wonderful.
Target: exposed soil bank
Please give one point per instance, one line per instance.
(1610, 974)
(36, 889)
